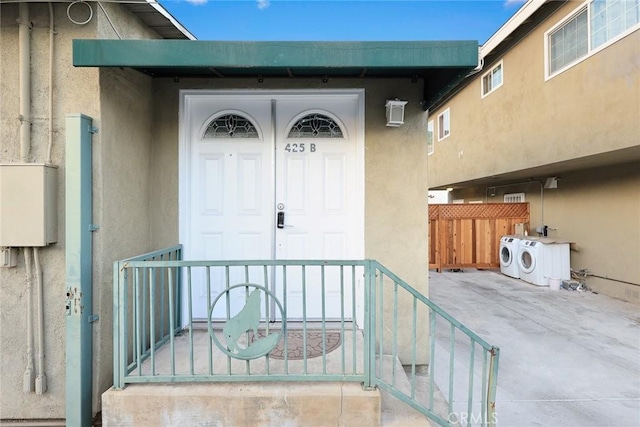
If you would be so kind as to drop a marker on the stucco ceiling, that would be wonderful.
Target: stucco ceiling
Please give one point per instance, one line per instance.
(626, 155)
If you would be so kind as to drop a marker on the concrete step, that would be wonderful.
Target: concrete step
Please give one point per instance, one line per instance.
(242, 404)
(396, 413)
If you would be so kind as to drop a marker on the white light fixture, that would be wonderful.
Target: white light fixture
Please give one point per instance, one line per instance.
(395, 112)
(449, 189)
(551, 182)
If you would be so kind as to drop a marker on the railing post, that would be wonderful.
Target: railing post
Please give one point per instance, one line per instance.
(492, 386)
(120, 325)
(117, 379)
(369, 325)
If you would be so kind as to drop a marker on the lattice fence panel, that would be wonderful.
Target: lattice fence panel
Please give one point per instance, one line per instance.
(485, 210)
(467, 236)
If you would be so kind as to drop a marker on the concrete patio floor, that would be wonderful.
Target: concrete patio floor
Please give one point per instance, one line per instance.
(567, 358)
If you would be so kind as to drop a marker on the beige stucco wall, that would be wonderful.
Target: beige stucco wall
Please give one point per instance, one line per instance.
(119, 101)
(530, 122)
(121, 197)
(78, 96)
(597, 209)
(395, 170)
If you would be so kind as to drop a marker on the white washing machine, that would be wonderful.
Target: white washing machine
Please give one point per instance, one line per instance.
(542, 259)
(509, 249)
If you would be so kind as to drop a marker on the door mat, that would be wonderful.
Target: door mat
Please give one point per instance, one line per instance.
(295, 349)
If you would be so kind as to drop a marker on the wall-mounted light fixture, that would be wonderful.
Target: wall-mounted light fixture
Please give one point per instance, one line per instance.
(551, 182)
(449, 189)
(395, 112)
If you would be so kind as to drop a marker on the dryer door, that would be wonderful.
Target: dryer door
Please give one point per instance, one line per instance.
(506, 256)
(526, 260)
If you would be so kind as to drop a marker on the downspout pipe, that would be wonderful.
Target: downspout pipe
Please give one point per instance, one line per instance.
(29, 373)
(41, 377)
(52, 33)
(24, 40)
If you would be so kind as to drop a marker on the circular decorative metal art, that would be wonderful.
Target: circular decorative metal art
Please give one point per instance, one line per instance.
(247, 319)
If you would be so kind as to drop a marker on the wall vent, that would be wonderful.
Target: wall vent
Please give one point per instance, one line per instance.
(514, 198)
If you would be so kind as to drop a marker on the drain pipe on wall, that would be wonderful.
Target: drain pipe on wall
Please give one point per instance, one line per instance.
(24, 40)
(41, 377)
(52, 33)
(24, 65)
(28, 377)
(533, 181)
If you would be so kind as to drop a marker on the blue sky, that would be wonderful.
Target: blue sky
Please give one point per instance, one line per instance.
(316, 20)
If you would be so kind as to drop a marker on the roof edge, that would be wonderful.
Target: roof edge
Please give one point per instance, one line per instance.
(511, 25)
(164, 12)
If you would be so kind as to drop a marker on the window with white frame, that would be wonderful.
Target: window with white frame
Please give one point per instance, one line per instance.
(492, 79)
(444, 124)
(590, 28)
(430, 137)
(611, 18)
(569, 42)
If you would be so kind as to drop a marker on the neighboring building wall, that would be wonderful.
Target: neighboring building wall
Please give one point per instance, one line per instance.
(395, 213)
(582, 120)
(598, 210)
(120, 103)
(528, 122)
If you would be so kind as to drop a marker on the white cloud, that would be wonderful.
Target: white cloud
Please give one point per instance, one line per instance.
(197, 2)
(263, 4)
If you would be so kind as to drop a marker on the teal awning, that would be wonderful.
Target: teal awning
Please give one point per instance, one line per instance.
(438, 62)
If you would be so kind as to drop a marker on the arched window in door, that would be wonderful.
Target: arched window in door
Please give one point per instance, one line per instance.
(231, 126)
(316, 126)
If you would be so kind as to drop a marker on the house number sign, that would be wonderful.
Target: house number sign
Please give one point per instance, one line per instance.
(300, 148)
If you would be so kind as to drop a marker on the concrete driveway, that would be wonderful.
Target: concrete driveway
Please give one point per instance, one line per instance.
(567, 358)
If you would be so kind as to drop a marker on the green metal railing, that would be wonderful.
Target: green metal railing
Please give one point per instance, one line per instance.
(468, 399)
(172, 324)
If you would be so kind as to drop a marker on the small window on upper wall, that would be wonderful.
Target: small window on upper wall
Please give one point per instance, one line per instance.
(444, 125)
(492, 79)
(430, 138)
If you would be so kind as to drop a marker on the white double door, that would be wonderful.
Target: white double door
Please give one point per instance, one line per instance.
(274, 176)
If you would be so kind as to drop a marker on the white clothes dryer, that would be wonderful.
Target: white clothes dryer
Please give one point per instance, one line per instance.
(540, 260)
(509, 249)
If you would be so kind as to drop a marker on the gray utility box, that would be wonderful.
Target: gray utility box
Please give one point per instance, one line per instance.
(28, 204)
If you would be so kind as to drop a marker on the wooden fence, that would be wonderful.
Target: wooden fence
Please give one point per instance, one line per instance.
(468, 236)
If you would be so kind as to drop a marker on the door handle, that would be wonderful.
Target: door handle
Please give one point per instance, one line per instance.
(280, 221)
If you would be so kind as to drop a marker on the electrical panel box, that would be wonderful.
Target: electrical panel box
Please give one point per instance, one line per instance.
(28, 204)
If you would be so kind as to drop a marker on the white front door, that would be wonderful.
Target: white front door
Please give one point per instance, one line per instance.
(272, 175)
